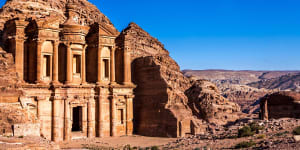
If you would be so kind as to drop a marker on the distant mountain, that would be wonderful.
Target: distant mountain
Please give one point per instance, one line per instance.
(247, 87)
(285, 82)
(236, 77)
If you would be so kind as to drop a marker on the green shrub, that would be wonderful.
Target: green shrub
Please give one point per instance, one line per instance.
(245, 131)
(245, 144)
(296, 131)
(21, 136)
(197, 149)
(262, 136)
(154, 148)
(255, 127)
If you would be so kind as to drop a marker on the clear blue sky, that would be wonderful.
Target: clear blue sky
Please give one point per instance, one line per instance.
(217, 34)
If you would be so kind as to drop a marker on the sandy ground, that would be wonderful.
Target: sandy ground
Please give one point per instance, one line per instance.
(133, 141)
(37, 143)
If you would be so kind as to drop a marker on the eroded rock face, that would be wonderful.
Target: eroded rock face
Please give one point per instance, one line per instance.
(8, 75)
(280, 105)
(11, 114)
(52, 9)
(207, 103)
(247, 97)
(160, 104)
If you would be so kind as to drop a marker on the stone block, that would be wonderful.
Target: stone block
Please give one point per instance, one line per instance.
(26, 129)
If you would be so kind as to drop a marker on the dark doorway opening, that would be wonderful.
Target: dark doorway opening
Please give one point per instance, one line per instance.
(77, 119)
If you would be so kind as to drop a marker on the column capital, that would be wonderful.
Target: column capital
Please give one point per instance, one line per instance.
(40, 98)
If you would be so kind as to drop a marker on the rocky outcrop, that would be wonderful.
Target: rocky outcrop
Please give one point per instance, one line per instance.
(8, 75)
(160, 104)
(280, 105)
(12, 114)
(207, 102)
(247, 97)
(247, 87)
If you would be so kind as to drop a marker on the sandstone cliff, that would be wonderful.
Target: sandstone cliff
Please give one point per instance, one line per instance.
(160, 104)
(207, 103)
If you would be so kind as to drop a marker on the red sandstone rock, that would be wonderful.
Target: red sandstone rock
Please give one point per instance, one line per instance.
(207, 103)
(160, 103)
(280, 105)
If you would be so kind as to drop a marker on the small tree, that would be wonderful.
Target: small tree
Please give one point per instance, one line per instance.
(245, 131)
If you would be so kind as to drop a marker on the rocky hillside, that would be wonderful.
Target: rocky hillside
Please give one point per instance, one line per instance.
(160, 85)
(207, 102)
(161, 90)
(285, 82)
(247, 87)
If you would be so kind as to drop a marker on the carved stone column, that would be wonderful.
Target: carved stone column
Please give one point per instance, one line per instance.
(127, 66)
(99, 71)
(113, 116)
(19, 57)
(100, 116)
(19, 49)
(55, 63)
(83, 66)
(67, 120)
(91, 117)
(69, 73)
(112, 66)
(129, 115)
(265, 113)
(39, 62)
(40, 109)
(84, 119)
(56, 120)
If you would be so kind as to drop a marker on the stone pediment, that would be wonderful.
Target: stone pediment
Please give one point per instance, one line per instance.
(51, 23)
(106, 31)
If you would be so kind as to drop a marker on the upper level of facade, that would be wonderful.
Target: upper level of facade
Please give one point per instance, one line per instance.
(71, 53)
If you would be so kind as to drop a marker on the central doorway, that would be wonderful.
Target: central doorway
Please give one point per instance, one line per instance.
(77, 119)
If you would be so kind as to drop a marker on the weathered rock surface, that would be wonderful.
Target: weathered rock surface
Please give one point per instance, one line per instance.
(52, 9)
(11, 114)
(207, 102)
(160, 104)
(247, 97)
(280, 105)
(247, 87)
